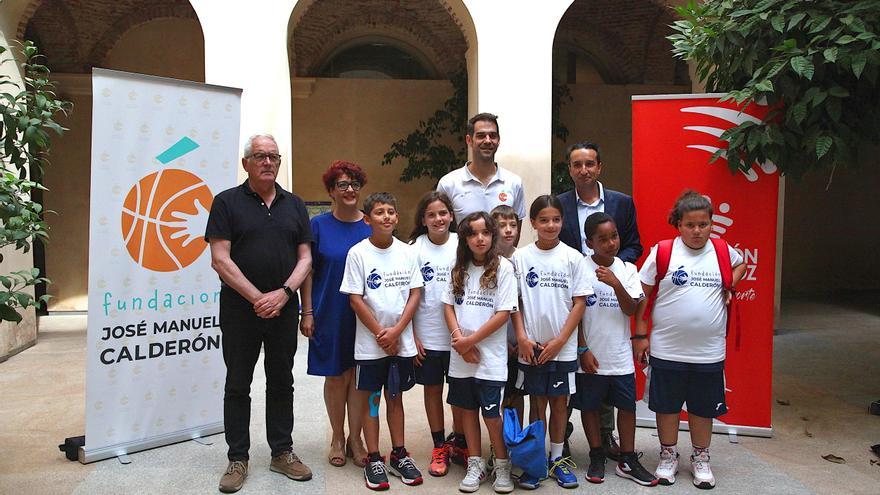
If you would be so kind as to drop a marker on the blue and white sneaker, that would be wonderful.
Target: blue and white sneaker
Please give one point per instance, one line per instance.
(562, 469)
(528, 482)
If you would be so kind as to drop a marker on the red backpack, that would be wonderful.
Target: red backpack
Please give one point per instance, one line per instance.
(664, 254)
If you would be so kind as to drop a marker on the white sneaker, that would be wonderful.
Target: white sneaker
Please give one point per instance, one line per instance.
(476, 474)
(702, 471)
(503, 483)
(668, 466)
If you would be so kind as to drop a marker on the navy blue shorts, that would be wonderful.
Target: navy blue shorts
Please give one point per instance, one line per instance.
(474, 393)
(551, 379)
(371, 375)
(513, 388)
(594, 390)
(433, 369)
(700, 386)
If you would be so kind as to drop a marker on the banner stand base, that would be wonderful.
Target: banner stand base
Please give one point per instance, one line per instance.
(732, 430)
(120, 450)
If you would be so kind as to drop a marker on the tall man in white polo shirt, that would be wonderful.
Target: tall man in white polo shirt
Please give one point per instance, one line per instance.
(482, 184)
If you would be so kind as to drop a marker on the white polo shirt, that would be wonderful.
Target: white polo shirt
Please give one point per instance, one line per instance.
(468, 194)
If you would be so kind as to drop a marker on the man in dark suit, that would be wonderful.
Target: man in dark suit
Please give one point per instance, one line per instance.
(590, 196)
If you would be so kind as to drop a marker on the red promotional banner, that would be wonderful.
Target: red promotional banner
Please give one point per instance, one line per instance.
(674, 137)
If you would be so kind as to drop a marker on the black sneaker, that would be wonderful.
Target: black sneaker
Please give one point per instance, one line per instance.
(566, 447)
(629, 467)
(405, 469)
(375, 475)
(596, 471)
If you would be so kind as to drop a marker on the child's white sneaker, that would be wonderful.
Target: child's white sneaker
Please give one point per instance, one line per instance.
(502, 483)
(668, 466)
(702, 471)
(476, 474)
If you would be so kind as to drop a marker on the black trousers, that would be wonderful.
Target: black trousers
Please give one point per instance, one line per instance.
(244, 334)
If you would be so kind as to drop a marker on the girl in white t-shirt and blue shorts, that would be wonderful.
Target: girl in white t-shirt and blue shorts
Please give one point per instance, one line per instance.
(688, 337)
(477, 304)
(435, 249)
(553, 287)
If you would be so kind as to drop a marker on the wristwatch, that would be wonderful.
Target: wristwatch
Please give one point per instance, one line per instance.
(287, 291)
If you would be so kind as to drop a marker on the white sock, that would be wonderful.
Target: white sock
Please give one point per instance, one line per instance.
(555, 450)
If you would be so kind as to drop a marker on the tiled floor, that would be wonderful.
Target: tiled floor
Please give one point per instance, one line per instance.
(827, 369)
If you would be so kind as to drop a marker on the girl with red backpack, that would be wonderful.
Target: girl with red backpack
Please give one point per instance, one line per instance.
(688, 283)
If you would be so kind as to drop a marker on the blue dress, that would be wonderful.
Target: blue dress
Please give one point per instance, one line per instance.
(331, 348)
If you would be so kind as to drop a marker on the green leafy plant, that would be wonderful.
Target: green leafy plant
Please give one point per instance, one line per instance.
(816, 64)
(427, 150)
(560, 180)
(28, 114)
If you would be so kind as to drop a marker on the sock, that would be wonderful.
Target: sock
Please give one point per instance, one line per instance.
(374, 457)
(699, 450)
(555, 450)
(672, 448)
(398, 452)
(459, 440)
(439, 438)
(597, 451)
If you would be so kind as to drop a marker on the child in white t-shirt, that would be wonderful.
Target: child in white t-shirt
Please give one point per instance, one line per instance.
(477, 304)
(383, 281)
(688, 337)
(605, 349)
(435, 250)
(553, 286)
(507, 222)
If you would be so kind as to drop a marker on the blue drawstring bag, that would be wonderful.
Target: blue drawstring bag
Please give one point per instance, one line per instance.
(525, 445)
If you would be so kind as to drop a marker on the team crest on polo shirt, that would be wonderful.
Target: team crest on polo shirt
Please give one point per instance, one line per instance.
(502, 196)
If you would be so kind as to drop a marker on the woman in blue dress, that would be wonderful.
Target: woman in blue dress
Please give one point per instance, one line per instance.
(327, 318)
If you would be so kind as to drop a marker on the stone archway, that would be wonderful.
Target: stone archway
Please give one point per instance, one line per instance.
(612, 50)
(358, 119)
(158, 37)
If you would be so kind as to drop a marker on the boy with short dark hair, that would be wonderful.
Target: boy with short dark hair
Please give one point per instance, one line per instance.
(382, 278)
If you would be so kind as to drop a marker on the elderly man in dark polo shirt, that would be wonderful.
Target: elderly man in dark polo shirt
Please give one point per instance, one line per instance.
(260, 246)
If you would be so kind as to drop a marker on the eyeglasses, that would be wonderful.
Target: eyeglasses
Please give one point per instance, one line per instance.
(273, 157)
(343, 186)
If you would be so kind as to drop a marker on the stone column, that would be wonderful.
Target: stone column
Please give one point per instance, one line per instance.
(246, 47)
(514, 81)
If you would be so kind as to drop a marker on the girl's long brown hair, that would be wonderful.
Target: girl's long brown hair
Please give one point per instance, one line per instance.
(464, 256)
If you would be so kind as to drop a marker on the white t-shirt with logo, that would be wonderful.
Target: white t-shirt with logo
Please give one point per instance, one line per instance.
(468, 194)
(606, 327)
(548, 280)
(473, 310)
(435, 262)
(689, 316)
(384, 278)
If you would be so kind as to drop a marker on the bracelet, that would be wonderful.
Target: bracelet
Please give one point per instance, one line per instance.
(583, 349)
(456, 329)
(307, 312)
(638, 337)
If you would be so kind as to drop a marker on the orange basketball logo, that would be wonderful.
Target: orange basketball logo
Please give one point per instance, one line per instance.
(162, 215)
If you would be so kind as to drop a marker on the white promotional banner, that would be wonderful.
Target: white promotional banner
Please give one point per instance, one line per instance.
(161, 149)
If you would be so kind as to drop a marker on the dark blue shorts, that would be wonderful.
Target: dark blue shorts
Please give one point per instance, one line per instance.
(700, 386)
(433, 369)
(373, 374)
(513, 388)
(594, 390)
(551, 379)
(473, 393)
